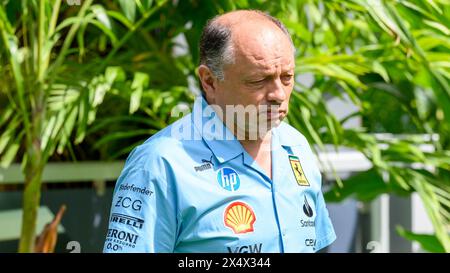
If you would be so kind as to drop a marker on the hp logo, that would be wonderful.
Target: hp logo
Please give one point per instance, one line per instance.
(228, 179)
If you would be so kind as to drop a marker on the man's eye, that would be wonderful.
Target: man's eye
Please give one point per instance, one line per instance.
(257, 82)
(286, 78)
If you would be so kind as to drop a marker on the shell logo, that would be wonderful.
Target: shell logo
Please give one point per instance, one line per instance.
(239, 217)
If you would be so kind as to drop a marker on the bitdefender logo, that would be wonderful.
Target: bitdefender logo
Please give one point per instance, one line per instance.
(133, 188)
(127, 220)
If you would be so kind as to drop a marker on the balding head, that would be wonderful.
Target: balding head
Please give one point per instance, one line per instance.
(247, 59)
(241, 17)
(224, 34)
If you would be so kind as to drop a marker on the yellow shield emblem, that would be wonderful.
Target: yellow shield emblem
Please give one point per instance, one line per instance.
(298, 171)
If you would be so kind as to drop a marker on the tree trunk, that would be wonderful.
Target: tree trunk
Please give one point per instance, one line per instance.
(34, 167)
(31, 200)
(32, 191)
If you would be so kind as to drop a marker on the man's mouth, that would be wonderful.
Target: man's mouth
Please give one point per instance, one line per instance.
(273, 115)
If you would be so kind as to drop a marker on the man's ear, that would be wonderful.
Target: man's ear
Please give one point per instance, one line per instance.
(208, 81)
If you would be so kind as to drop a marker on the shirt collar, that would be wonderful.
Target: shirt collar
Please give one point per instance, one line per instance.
(223, 144)
(287, 135)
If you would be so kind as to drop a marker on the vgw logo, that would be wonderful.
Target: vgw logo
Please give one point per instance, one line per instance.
(228, 179)
(256, 248)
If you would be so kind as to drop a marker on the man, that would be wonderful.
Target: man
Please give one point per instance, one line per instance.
(211, 183)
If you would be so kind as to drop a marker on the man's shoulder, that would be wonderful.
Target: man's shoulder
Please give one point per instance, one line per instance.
(291, 136)
(166, 143)
(170, 135)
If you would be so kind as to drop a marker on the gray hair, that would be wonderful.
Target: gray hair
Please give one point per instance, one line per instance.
(216, 48)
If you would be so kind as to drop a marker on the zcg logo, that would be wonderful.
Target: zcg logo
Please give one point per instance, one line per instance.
(127, 202)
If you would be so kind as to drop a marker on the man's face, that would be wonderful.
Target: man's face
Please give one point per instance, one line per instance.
(262, 74)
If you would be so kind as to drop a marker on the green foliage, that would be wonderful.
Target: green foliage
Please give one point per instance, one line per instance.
(55, 78)
(427, 242)
(390, 59)
(93, 81)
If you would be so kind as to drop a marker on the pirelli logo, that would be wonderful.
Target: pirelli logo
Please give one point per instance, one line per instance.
(127, 220)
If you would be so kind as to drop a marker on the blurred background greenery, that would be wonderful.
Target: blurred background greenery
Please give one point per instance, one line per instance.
(90, 80)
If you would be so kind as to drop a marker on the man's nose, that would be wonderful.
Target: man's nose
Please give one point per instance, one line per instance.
(276, 91)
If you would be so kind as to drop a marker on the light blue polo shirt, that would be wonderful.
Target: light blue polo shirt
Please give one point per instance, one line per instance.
(189, 188)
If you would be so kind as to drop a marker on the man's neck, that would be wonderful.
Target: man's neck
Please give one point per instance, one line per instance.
(254, 144)
(260, 150)
(258, 146)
